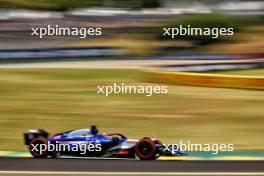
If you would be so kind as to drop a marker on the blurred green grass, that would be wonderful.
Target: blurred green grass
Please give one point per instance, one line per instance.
(55, 174)
(65, 99)
(99, 174)
(249, 72)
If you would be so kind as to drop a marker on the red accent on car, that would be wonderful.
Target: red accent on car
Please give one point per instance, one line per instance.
(123, 152)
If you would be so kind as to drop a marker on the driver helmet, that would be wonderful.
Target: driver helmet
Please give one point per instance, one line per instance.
(94, 130)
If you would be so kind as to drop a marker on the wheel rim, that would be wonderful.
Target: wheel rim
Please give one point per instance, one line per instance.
(145, 149)
(39, 141)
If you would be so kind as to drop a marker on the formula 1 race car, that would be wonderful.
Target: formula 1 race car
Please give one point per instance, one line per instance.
(88, 143)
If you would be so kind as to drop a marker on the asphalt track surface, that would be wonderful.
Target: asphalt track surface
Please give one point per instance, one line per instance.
(114, 165)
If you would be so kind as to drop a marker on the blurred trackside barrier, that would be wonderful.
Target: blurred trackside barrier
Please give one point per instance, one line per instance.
(203, 79)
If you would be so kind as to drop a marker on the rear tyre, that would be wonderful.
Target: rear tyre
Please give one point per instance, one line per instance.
(39, 147)
(145, 149)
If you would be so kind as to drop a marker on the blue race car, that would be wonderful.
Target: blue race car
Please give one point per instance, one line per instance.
(89, 143)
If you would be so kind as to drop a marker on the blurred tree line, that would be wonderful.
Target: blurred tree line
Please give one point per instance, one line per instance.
(63, 5)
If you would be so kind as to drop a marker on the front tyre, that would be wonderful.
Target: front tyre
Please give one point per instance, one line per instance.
(146, 149)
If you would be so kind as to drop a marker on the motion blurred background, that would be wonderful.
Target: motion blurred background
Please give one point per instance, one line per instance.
(51, 83)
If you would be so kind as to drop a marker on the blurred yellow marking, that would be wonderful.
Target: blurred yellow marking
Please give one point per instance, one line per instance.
(179, 158)
(24, 155)
(239, 158)
(204, 79)
(4, 153)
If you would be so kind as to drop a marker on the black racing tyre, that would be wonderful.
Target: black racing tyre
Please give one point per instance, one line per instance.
(39, 147)
(145, 149)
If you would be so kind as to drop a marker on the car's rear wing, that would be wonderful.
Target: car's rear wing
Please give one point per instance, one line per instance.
(32, 134)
